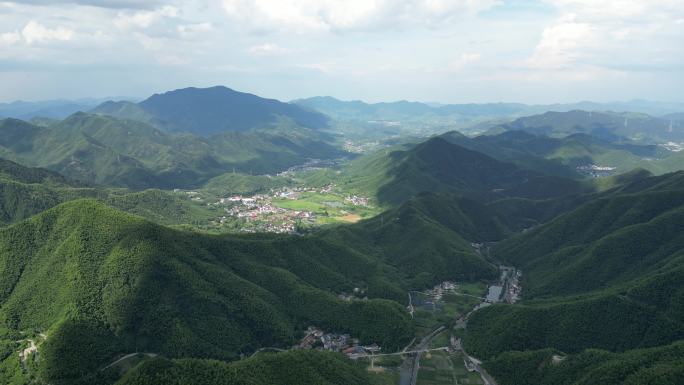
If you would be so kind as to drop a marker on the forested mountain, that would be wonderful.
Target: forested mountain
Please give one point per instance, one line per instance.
(91, 270)
(215, 110)
(563, 156)
(296, 367)
(653, 366)
(440, 166)
(610, 126)
(606, 275)
(105, 150)
(136, 286)
(120, 284)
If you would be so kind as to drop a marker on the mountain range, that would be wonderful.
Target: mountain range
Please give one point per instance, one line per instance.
(105, 150)
(406, 110)
(102, 273)
(611, 126)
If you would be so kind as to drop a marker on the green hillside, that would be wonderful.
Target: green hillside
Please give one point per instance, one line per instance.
(85, 272)
(654, 366)
(290, 368)
(428, 238)
(127, 153)
(92, 277)
(606, 275)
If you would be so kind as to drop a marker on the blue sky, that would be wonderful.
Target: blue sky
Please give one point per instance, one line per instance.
(534, 51)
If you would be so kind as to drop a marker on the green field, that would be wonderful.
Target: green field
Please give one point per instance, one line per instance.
(329, 208)
(477, 288)
(384, 378)
(440, 340)
(442, 368)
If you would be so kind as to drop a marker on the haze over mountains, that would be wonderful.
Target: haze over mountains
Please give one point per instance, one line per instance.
(126, 255)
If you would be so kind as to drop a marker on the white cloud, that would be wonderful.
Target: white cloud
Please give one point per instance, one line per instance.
(464, 60)
(189, 30)
(9, 38)
(619, 9)
(342, 15)
(610, 34)
(267, 49)
(94, 3)
(560, 45)
(35, 32)
(144, 19)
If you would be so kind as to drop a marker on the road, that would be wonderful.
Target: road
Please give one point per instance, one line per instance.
(409, 374)
(127, 356)
(354, 356)
(268, 348)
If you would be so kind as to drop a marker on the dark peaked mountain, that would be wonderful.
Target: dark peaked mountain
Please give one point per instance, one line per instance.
(209, 111)
(440, 166)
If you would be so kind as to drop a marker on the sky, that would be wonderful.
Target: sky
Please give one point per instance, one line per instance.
(449, 51)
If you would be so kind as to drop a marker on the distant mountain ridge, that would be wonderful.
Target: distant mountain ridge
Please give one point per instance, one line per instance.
(52, 109)
(610, 126)
(359, 110)
(214, 110)
(551, 154)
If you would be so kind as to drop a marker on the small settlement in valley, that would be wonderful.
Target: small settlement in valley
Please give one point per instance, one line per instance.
(291, 209)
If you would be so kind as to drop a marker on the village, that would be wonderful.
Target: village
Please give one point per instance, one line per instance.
(316, 338)
(291, 209)
(596, 171)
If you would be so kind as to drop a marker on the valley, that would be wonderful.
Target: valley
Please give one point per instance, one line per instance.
(143, 243)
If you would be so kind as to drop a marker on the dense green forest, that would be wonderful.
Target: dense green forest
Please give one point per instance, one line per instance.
(93, 264)
(606, 275)
(128, 153)
(90, 276)
(663, 365)
(290, 368)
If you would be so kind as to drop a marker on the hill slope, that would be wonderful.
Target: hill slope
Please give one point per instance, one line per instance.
(95, 278)
(619, 258)
(296, 367)
(85, 272)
